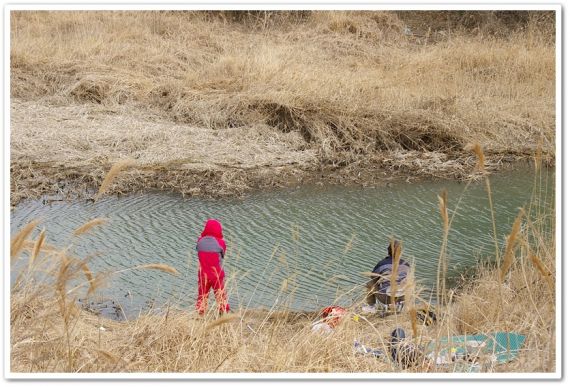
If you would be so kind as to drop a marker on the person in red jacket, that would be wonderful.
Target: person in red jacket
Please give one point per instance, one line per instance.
(211, 248)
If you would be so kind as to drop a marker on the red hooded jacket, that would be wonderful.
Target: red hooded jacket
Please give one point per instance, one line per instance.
(211, 249)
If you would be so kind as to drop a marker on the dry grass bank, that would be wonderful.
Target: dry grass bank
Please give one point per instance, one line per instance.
(50, 333)
(221, 102)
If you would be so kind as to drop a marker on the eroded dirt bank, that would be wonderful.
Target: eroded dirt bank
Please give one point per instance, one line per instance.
(64, 152)
(222, 103)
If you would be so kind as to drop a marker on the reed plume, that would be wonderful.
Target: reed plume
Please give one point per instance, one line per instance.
(111, 175)
(512, 241)
(86, 271)
(89, 225)
(95, 282)
(478, 150)
(36, 250)
(413, 312)
(159, 266)
(544, 272)
(29, 245)
(17, 242)
(442, 262)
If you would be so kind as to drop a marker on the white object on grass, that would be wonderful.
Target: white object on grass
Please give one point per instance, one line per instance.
(321, 327)
(369, 309)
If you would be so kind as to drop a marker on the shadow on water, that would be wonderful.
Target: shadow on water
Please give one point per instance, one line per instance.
(106, 308)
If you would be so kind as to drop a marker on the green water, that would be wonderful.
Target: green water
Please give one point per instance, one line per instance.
(318, 238)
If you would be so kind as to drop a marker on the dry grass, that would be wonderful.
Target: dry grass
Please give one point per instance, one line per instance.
(66, 339)
(240, 100)
(50, 333)
(17, 242)
(344, 90)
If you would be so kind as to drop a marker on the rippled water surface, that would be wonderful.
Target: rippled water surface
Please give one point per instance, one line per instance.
(305, 247)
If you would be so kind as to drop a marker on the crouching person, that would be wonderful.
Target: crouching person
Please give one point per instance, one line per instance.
(380, 285)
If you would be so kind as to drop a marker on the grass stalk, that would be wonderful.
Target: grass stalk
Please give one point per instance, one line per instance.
(442, 261)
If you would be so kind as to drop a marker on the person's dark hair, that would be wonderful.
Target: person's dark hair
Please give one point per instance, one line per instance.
(396, 244)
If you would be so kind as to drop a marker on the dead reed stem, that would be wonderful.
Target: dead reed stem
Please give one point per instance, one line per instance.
(493, 222)
(63, 276)
(396, 249)
(442, 261)
(157, 266)
(477, 149)
(512, 241)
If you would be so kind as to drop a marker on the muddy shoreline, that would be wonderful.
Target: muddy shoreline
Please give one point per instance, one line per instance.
(49, 182)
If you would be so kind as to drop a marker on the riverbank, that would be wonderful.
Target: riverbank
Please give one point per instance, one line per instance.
(53, 155)
(341, 97)
(50, 332)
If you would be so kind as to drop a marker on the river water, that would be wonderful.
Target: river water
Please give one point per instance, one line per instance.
(303, 248)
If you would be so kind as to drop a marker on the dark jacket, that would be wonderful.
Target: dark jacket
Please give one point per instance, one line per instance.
(384, 271)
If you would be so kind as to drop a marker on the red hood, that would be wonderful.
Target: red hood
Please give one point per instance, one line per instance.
(213, 228)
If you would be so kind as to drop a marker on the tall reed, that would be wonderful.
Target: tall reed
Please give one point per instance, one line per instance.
(443, 259)
(396, 249)
(512, 241)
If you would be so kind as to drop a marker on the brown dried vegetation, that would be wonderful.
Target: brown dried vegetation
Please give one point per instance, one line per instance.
(218, 103)
(50, 333)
